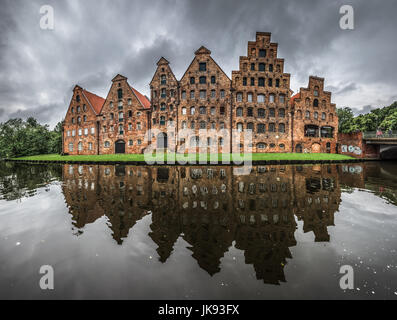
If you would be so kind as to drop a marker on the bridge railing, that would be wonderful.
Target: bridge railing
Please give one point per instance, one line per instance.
(380, 134)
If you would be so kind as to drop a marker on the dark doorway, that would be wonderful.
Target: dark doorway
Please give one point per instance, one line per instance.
(298, 148)
(162, 141)
(120, 146)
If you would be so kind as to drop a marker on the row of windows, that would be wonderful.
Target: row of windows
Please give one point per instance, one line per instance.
(80, 146)
(120, 103)
(260, 98)
(78, 109)
(203, 94)
(107, 144)
(261, 113)
(315, 103)
(315, 115)
(121, 128)
(80, 132)
(203, 110)
(261, 127)
(121, 115)
(79, 119)
(260, 81)
(203, 80)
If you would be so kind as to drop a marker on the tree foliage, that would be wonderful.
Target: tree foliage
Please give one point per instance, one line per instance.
(25, 138)
(380, 118)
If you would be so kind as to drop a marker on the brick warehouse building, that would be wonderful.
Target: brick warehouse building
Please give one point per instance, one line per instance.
(256, 98)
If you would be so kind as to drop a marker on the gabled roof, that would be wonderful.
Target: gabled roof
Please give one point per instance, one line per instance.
(296, 96)
(162, 61)
(95, 101)
(202, 50)
(119, 77)
(142, 99)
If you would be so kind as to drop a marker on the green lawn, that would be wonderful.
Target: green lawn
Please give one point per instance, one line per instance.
(190, 157)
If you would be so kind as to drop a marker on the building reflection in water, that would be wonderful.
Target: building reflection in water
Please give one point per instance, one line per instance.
(210, 208)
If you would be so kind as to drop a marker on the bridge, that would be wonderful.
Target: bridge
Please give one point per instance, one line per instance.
(386, 143)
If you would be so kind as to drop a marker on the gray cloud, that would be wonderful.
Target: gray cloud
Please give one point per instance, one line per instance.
(94, 40)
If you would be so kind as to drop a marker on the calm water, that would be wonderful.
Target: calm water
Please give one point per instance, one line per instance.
(198, 232)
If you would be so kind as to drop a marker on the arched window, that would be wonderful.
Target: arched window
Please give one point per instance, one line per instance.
(203, 80)
(331, 117)
(281, 113)
(272, 127)
(272, 112)
(281, 127)
(78, 98)
(323, 116)
(249, 97)
(324, 103)
(120, 93)
(261, 145)
(192, 125)
(203, 125)
(281, 99)
(183, 110)
(78, 120)
(239, 112)
(85, 118)
(163, 79)
(277, 83)
(282, 146)
(129, 113)
(239, 97)
(213, 111)
(271, 98)
(261, 67)
(239, 127)
(261, 98)
(315, 103)
(261, 113)
(111, 116)
(316, 115)
(250, 126)
(270, 68)
(250, 112)
(261, 82)
(203, 110)
(191, 80)
(315, 91)
(307, 102)
(162, 121)
(184, 125)
(307, 116)
(162, 107)
(73, 120)
(261, 128)
(80, 146)
(299, 114)
(192, 110)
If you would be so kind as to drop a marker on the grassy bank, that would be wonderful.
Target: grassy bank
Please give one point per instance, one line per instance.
(190, 157)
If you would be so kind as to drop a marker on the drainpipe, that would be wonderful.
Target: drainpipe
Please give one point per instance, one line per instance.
(97, 135)
(292, 128)
(231, 115)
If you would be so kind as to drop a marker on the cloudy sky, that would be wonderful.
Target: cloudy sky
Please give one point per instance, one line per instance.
(93, 40)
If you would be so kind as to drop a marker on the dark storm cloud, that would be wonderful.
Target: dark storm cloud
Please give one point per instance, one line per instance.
(94, 40)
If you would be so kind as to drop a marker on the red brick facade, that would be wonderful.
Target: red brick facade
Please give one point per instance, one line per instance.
(204, 106)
